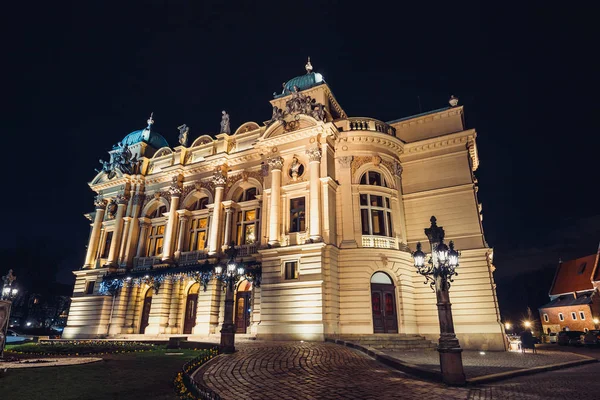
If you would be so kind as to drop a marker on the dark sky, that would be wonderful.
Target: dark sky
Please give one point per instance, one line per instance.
(82, 75)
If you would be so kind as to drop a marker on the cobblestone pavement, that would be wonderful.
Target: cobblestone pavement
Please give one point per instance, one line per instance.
(294, 370)
(477, 364)
(572, 384)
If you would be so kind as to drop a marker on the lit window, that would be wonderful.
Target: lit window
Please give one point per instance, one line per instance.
(298, 214)
(247, 226)
(582, 315)
(574, 316)
(198, 233)
(291, 270)
(89, 287)
(372, 178)
(561, 317)
(375, 215)
(156, 241)
(546, 319)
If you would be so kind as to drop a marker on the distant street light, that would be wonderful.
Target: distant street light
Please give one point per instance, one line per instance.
(527, 324)
(7, 295)
(507, 326)
(439, 270)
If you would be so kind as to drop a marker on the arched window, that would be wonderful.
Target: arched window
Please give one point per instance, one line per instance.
(158, 212)
(381, 277)
(198, 204)
(247, 195)
(372, 178)
(376, 215)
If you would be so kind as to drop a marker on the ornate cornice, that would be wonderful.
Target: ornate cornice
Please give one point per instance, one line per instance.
(372, 138)
(464, 138)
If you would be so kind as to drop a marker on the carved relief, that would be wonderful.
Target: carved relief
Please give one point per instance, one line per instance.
(376, 160)
(358, 162)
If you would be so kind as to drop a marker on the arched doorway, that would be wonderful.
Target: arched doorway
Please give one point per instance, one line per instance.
(191, 305)
(146, 310)
(383, 304)
(242, 306)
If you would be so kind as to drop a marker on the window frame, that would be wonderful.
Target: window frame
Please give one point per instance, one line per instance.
(192, 233)
(296, 274)
(301, 215)
(385, 209)
(365, 179)
(153, 237)
(108, 238)
(561, 317)
(89, 287)
(582, 315)
(242, 223)
(546, 318)
(573, 315)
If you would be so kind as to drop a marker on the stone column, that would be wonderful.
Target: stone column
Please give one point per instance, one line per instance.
(314, 156)
(134, 227)
(175, 305)
(184, 217)
(160, 309)
(119, 311)
(170, 230)
(124, 239)
(92, 249)
(348, 240)
(219, 181)
(227, 235)
(130, 307)
(144, 226)
(276, 164)
(116, 239)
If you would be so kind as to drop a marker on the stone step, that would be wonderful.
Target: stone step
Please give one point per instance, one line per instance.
(393, 341)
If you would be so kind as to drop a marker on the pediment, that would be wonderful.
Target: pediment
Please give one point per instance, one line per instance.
(289, 124)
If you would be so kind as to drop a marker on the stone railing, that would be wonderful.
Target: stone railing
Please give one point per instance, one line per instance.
(381, 242)
(369, 124)
(247, 249)
(192, 257)
(145, 262)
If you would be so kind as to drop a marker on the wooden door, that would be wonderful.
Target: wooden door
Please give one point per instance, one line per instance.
(383, 305)
(191, 306)
(146, 311)
(242, 311)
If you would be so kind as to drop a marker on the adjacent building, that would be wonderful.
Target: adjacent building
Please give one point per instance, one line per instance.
(574, 304)
(323, 208)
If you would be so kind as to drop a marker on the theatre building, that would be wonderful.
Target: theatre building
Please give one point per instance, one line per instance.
(323, 208)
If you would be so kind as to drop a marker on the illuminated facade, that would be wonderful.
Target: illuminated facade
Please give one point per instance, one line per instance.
(327, 205)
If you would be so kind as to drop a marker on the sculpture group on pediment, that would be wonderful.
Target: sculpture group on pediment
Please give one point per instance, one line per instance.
(298, 104)
(122, 160)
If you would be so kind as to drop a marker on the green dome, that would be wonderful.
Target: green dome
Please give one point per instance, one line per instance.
(154, 139)
(303, 82)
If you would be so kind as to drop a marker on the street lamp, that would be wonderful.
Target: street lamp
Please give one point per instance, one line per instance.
(507, 326)
(527, 324)
(596, 322)
(230, 275)
(439, 272)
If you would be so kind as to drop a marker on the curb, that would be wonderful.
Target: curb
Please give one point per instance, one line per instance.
(437, 376)
(392, 362)
(528, 371)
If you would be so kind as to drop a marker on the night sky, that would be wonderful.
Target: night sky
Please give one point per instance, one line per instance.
(82, 75)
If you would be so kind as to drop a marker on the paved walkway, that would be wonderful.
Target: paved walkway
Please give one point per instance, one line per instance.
(478, 364)
(294, 370)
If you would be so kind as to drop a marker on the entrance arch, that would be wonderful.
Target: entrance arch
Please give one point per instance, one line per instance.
(146, 310)
(191, 306)
(243, 298)
(383, 304)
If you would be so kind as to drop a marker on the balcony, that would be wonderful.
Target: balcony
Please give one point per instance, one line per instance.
(145, 262)
(380, 242)
(246, 250)
(192, 257)
(367, 124)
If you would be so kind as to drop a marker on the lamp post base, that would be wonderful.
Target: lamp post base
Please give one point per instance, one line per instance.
(452, 367)
(228, 338)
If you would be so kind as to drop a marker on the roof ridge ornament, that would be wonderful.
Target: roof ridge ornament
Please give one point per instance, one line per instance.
(150, 121)
(453, 101)
(308, 66)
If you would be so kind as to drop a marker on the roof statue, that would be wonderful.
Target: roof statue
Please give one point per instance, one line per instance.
(9, 278)
(122, 160)
(225, 128)
(183, 134)
(453, 101)
(146, 132)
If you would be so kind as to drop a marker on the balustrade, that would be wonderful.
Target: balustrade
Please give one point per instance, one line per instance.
(369, 124)
(380, 242)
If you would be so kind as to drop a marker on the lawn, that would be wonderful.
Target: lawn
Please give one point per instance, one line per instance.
(147, 375)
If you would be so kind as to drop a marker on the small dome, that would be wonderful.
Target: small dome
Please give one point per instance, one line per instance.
(154, 139)
(303, 82)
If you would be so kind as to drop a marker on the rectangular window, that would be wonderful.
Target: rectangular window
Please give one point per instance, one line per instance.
(376, 201)
(546, 319)
(89, 287)
(561, 317)
(574, 316)
(364, 217)
(582, 315)
(378, 222)
(297, 215)
(364, 201)
(291, 270)
(107, 243)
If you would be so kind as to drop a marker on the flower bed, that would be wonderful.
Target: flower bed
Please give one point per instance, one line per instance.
(80, 347)
(186, 387)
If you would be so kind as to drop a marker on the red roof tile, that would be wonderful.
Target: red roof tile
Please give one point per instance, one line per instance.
(574, 275)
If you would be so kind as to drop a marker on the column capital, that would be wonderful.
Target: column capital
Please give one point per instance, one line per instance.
(100, 202)
(175, 188)
(276, 163)
(219, 179)
(345, 161)
(121, 199)
(314, 154)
